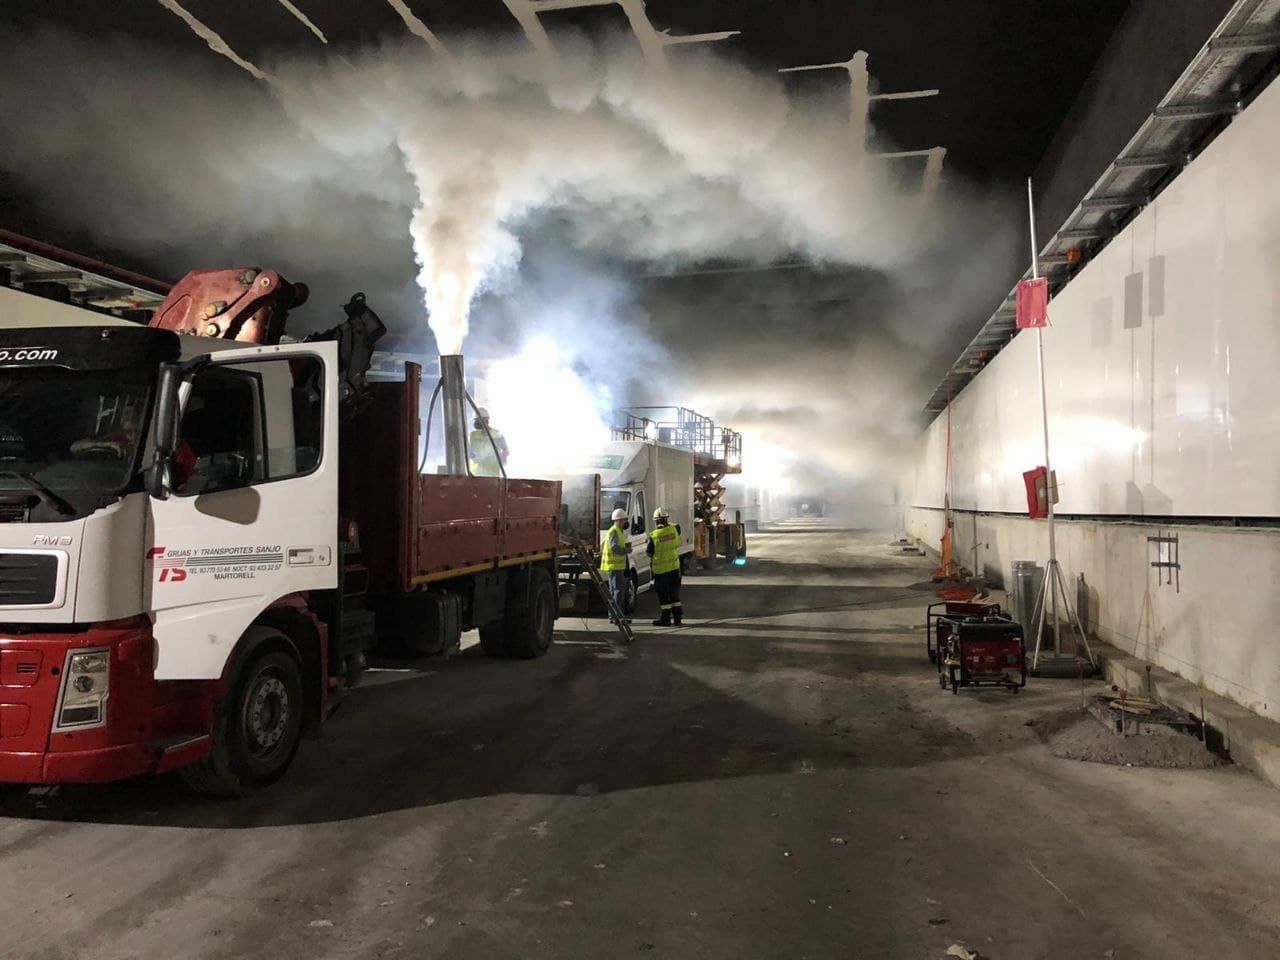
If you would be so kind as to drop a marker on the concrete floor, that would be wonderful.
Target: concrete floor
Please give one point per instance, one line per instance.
(780, 778)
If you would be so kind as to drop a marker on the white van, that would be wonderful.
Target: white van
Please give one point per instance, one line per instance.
(639, 476)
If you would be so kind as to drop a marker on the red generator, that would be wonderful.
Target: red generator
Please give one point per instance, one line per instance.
(981, 651)
(940, 616)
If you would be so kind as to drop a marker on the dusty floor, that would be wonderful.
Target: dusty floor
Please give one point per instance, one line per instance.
(780, 778)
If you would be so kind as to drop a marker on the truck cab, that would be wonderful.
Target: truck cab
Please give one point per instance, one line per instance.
(121, 609)
(199, 542)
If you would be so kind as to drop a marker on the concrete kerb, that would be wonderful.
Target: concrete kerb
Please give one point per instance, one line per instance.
(1253, 741)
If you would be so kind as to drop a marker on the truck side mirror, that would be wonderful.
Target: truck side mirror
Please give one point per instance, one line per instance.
(166, 430)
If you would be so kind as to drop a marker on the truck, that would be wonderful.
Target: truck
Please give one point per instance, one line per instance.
(668, 457)
(205, 528)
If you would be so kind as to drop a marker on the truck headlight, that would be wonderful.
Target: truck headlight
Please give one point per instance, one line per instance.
(85, 687)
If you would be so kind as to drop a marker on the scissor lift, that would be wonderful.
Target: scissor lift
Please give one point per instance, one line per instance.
(717, 453)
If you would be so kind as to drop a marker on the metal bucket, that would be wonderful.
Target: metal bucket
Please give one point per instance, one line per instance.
(1026, 583)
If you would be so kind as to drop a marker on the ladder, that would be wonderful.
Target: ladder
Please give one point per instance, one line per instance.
(584, 558)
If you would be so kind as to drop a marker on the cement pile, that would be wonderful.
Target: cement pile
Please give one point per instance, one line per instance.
(1157, 746)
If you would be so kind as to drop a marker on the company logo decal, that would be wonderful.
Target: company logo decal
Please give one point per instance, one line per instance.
(218, 563)
(14, 354)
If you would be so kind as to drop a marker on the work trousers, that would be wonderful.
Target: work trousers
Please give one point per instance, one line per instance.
(668, 587)
(620, 589)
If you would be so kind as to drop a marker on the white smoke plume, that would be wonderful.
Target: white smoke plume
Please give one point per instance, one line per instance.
(344, 172)
(699, 160)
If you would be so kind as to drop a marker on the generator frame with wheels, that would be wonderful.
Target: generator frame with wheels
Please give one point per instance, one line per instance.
(951, 609)
(954, 660)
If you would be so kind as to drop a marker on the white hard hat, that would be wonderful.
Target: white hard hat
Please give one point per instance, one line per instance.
(482, 413)
(619, 514)
(661, 514)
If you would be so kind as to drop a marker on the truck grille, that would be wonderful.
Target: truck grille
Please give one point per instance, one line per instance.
(28, 579)
(13, 512)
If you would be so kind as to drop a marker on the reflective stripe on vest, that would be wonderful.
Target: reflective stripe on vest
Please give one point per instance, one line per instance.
(611, 559)
(666, 549)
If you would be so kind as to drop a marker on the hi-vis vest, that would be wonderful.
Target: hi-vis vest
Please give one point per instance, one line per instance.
(485, 461)
(666, 549)
(611, 559)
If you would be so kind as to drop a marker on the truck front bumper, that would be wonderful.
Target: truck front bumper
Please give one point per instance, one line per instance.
(146, 725)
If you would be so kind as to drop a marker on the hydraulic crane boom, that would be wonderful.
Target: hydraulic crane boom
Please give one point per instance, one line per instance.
(246, 304)
(251, 305)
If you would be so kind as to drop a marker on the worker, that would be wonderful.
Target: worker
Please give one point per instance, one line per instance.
(488, 456)
(614, 561)
(663, 549)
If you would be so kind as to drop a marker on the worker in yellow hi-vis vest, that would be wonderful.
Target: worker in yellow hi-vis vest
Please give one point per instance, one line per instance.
(664, 550)
(486, 448)
(614, 560)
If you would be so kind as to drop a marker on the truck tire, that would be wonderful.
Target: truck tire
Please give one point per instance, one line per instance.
(257, 727)
(493, 639)
(526, 627)
(529, 627)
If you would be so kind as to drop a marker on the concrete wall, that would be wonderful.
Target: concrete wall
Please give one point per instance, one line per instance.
(1162, 366)
(1161, 362)
(1218, 629)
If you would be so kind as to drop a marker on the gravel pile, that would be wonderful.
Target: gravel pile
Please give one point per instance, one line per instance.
(1156, 746)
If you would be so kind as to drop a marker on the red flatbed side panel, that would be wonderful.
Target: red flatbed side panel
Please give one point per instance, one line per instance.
(530, 517)
(458, 522)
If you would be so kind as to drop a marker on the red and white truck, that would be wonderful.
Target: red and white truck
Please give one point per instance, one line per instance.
(203, 529)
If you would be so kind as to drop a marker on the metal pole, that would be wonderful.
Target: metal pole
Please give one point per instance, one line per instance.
(1052, 607)
(454, 411)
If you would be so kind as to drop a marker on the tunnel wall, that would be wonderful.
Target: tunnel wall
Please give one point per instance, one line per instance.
(1216, 628)
(1163, 371)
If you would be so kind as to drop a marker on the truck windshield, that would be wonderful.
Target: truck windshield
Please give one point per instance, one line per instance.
(69, 439)
(611, 500)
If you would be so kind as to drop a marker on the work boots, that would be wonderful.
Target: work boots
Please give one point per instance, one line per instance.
(678, 615)
(664, 620)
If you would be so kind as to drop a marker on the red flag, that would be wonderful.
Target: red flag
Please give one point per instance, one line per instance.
(1037, 492)
(1033, 303)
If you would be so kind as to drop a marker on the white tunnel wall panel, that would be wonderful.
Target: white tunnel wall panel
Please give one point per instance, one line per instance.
(1163, 361)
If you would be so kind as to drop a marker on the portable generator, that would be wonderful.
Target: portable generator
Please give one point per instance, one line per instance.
(981, 651)
(950, 610)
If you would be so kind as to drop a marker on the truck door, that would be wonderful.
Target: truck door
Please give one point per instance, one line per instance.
(252, 513)
(640, 537)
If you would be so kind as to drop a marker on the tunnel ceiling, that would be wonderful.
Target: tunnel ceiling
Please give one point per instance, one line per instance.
(1005, 71)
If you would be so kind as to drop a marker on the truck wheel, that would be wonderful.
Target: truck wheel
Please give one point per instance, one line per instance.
(256, 730)
(493, 639)
(528, 627)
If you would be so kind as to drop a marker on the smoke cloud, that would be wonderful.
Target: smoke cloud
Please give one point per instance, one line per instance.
(545, 208)
(696, 161)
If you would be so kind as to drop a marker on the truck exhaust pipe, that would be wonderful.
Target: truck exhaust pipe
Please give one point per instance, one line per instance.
(454, 413)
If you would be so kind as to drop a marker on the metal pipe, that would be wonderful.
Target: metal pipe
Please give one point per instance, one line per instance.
(1044, 414)
(454, 412)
